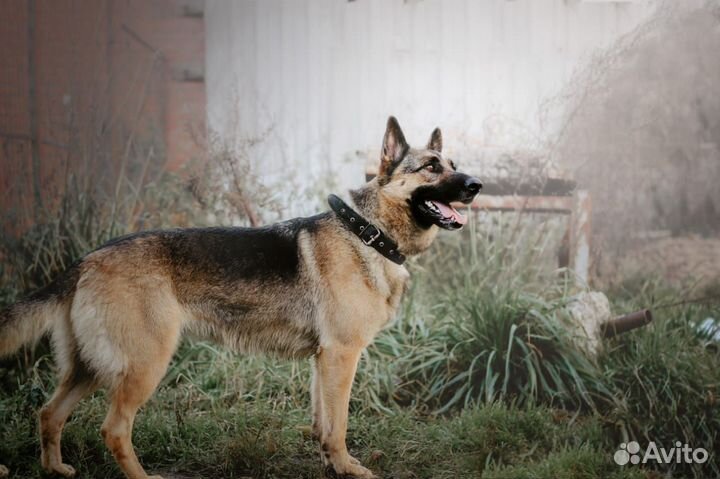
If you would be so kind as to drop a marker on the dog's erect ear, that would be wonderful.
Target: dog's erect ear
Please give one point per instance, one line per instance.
(435, 141)
(394, 147)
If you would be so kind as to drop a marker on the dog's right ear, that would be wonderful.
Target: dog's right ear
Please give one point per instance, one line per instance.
(394, 147)
(435, 142)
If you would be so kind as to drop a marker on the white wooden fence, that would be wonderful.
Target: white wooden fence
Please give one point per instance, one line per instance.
(316, 79)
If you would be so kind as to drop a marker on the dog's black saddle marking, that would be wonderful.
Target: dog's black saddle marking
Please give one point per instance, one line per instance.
(368, 233)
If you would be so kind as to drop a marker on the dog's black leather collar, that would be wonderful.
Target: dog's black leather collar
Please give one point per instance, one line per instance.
(368, 233)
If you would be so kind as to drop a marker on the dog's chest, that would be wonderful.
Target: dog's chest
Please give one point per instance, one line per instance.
(399, 281)
(391, 282)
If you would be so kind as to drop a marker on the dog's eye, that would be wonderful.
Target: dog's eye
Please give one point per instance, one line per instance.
(434, 167)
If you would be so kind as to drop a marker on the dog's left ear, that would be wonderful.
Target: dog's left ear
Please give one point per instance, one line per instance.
(435, 142)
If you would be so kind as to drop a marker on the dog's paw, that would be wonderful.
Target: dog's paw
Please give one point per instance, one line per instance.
(4, 472)
(64, 470)
(349, 471)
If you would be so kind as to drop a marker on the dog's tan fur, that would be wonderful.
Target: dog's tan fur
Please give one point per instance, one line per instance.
(116, 319)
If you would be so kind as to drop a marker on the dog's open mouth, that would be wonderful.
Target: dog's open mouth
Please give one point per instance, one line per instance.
(442, 214)
(447, 212)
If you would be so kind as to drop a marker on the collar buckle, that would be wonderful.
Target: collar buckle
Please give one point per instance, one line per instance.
(368, 237)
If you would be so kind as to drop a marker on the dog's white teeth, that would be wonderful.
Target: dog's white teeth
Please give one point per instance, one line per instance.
(431, 205)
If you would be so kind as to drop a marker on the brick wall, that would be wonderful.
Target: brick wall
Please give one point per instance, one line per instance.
(85, 83)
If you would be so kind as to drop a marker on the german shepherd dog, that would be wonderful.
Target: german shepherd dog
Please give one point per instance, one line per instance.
(308, 287)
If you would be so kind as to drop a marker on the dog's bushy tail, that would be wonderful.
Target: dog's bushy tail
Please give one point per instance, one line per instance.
(27, 321)
(23, 323)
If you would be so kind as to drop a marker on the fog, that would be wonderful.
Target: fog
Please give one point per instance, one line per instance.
(291, 99)
(642, 134)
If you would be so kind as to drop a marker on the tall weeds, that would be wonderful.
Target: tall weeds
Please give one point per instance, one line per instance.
(483, 323)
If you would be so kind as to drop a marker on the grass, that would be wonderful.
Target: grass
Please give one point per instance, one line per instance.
(477, 377)
(666, 384)
(203, 433)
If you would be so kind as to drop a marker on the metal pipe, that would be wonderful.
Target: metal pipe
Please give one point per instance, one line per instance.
(628, 322)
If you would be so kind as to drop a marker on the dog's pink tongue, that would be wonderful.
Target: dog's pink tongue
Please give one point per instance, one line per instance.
(450, 212)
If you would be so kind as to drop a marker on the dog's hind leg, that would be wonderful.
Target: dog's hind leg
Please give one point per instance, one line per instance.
(148, 356)
(76, 382)
(74, 386)
(127, 398)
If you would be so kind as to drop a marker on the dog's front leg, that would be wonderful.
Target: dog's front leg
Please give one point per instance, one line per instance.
(336, 366)
(316, 399)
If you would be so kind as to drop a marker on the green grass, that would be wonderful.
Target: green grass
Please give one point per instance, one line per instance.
(196, 433)
(476, 378)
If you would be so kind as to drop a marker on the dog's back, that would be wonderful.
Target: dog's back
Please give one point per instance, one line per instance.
(117, 315)
(247, 287)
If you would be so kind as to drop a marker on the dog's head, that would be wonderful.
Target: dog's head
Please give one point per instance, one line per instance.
(423, 179)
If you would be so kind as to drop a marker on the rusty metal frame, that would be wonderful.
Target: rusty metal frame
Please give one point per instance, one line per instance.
(574, 203)
(580, 234)
(578, 207)
(529, 204)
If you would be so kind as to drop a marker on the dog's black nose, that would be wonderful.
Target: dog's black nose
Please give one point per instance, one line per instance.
(473, 185)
